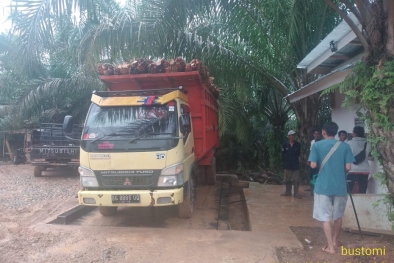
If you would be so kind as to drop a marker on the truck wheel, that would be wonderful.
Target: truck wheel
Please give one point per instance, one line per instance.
(202, 175)
(185, 209)
(107, 210)
(37, 171)
(211, 172)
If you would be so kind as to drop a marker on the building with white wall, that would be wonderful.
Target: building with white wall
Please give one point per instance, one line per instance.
(333, 60)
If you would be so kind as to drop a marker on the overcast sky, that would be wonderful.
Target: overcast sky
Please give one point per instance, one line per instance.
(3, 15)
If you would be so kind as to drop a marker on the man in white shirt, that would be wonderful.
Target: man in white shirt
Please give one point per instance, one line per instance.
(316, 137)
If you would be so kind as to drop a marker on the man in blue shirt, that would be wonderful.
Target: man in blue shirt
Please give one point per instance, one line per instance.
(330, 188)
(291, 154)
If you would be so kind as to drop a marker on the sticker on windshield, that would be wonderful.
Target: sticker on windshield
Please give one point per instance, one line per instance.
(92, 135)
(105, 145)
(160, 156)
(171, 108)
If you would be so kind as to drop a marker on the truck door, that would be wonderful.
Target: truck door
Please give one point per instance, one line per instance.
(188, 141)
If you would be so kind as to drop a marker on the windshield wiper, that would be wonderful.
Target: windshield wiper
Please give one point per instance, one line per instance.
(142, 135)
(106, 135)
(155, 133)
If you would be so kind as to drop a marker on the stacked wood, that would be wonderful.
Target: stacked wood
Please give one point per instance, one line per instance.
(264, 177)
(144, 66)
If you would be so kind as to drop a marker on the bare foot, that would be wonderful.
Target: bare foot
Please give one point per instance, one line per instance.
(328, 250)
(338, 244)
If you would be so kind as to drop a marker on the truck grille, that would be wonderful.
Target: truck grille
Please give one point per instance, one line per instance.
(127, 181)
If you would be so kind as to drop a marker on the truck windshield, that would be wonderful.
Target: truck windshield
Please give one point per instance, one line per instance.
(130, 128)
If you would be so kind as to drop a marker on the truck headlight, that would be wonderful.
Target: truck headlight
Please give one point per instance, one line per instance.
(88, 178)
(85, 171)
(171, 176)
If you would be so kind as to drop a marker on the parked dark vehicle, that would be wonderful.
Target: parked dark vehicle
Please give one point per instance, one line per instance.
(19, 156)
(52, 149)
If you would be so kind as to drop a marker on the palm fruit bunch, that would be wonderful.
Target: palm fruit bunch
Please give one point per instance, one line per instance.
(105, 69)
(195, 65)
(143, 66)
(140, 66)
(158, 67)
(178, 65)
(123, 69)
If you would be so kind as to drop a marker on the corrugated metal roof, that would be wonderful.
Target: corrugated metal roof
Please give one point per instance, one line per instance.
(333, 66)
(322, 56)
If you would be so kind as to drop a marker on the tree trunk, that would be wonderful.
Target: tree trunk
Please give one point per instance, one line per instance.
(389, 6)
(386, 151)
(306, 111)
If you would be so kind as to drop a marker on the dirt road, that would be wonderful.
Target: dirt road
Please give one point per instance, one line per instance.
(134, 235)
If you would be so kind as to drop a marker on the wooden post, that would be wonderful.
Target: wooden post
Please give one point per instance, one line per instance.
(9, 150)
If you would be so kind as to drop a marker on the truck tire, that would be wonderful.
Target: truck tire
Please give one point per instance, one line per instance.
(37, 171)
(202, 175)
(211, 172)
(107, 210)
(185, 209)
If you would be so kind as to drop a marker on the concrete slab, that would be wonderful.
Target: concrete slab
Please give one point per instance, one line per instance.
(272, 215)
(372, 214)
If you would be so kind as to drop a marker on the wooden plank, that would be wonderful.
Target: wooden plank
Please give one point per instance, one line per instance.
(9, 150)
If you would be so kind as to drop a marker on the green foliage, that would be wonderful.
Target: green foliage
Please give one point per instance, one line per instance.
(386, 199)
(275, 139)
(251, 48)
(372, 88)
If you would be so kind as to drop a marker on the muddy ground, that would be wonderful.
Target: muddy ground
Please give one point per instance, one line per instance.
(28, 204)
(313, 240)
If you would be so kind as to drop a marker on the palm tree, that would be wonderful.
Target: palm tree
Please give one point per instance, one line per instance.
(49, 87)
(251, 43)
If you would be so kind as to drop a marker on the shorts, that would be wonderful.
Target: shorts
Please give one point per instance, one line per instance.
(323, 205)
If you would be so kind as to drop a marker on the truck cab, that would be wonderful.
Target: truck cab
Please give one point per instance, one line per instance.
(138, 149)
(51, 149)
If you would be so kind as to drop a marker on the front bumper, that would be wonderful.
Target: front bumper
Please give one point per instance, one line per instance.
(147, 197)
(54, 164)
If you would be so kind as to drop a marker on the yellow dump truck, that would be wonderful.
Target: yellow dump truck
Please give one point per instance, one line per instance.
(148, 141)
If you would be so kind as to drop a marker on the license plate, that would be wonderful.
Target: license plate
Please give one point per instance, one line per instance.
(125, 199)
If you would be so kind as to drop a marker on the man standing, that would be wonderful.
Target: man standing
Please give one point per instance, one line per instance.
(330, 188)
(359, 172)
(316, 138)
(291, 153)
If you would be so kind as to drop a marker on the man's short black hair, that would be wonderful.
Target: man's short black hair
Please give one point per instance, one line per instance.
(342, 132)
(331, 128)
(359, 131)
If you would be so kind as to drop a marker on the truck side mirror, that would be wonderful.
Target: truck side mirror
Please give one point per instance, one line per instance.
(68, 124)
(184, 121)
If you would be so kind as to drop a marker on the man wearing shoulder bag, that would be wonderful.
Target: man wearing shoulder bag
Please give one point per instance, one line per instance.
(360, 168)
(334, 158)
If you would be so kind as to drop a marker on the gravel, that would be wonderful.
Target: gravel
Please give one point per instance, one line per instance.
(20, 189)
